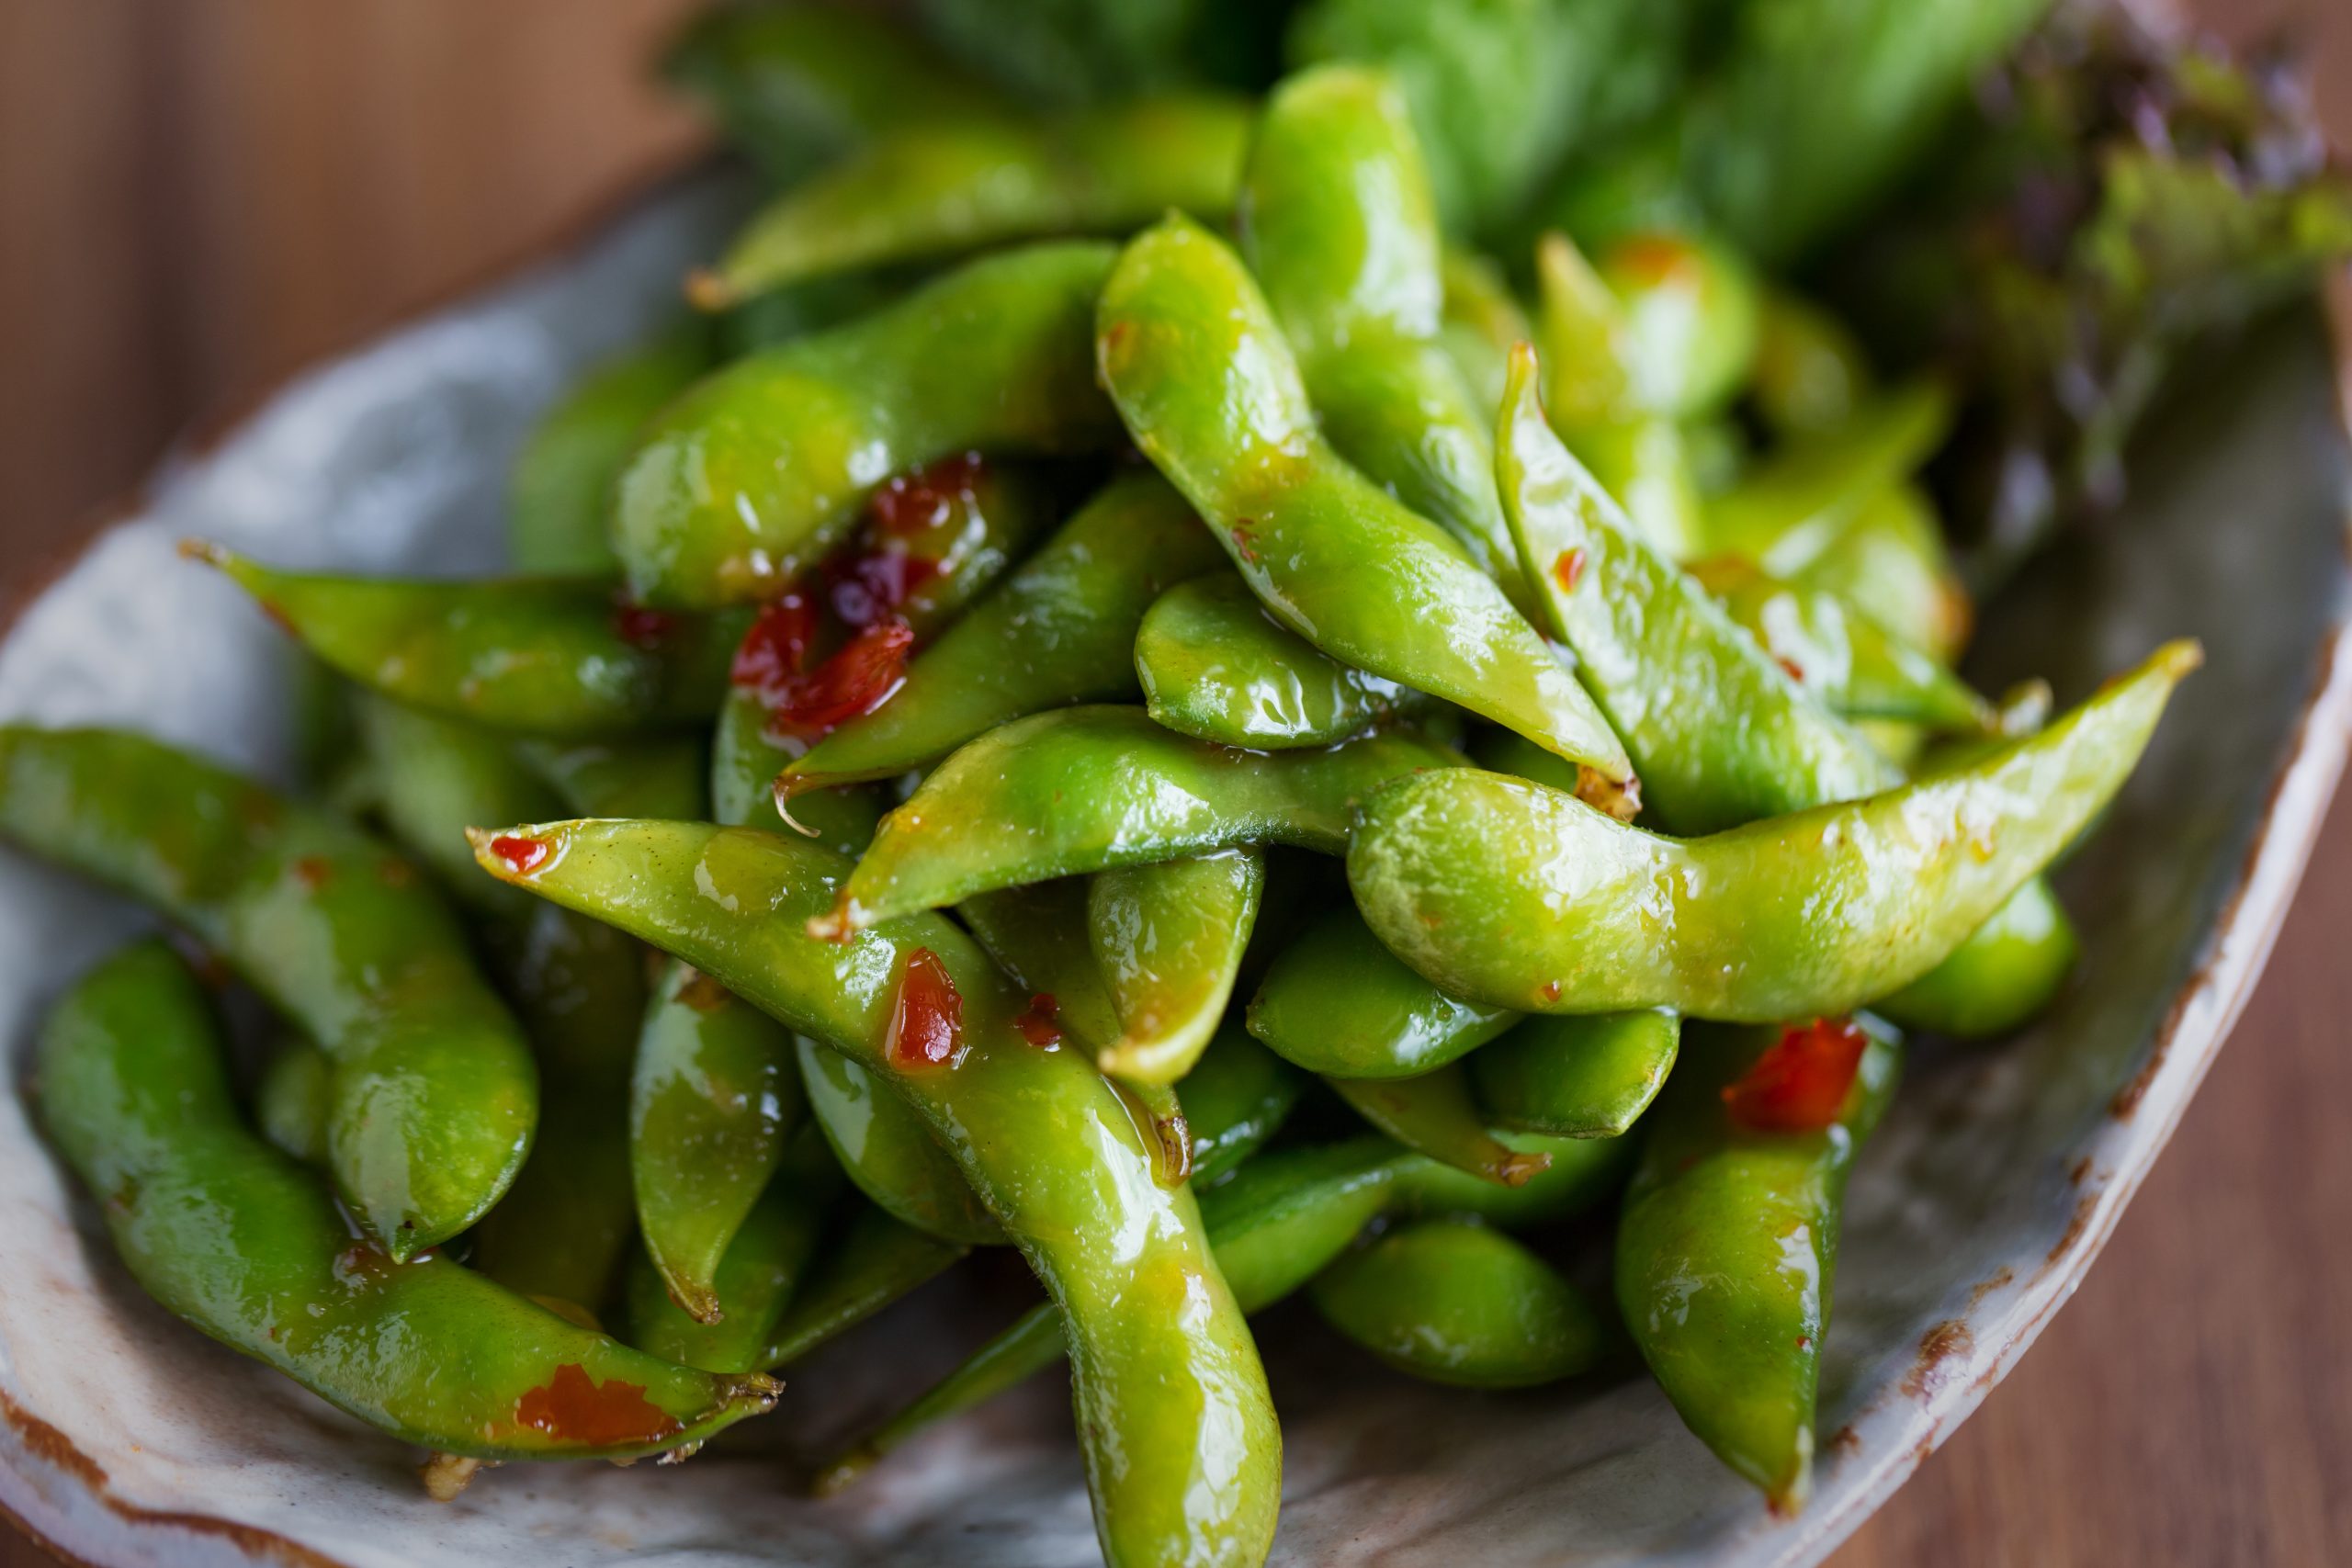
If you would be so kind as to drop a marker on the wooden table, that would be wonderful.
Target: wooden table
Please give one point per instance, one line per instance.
(197, 195)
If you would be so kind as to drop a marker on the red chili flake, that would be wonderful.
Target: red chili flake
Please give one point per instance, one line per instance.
(1796, 670)
(1245, 543)
(858, 679)
(927, 1022)
(1551, 990)
(917, 502)
(1655, 258)
(704, 994)
(1041, 1025)
(314, 872)
(573, 1407)
(775, 647)
(867, 586)
(641, 627)
(518, 854)
(1800, 1082)
(1568, 569)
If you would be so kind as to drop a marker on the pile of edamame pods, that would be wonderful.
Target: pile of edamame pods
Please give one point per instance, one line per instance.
(1113, 692)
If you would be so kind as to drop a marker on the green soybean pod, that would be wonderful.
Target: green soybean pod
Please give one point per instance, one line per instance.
(1093, 788)
(1455, 1303)
(1167, 940)
(1235, 1097)
(2008, 971)
(1579, 1076)
(291, 1102)
(1060, 630)
(1207, 385)
(561, 490)
(1890, 562)
(1788, 510)
(1433, 1115)
(713, 1101)
(1041, 1135)
(933, 190)
(1480, 322)
(767, 1257)
(891, 1156)
(434, 1095)
(1803, 916)
(1338, 1003)
(230, 1234)
(1213, 664)
(873, 1261)
(750, 477)
(1338, 224)
(1727, 1254)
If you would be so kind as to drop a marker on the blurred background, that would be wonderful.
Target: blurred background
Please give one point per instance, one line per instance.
(199, 196)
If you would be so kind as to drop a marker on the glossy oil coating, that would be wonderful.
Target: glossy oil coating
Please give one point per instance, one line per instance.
(1215, 665)
(434, 1095)
(229, 1233)
(1454, 1303)
(556, 657)
(750, 477)
(1183, 1455)
(890, 1153)
(1208, 387)
(1338, 224)
(1588, 1075)
(1507, 893)
(1337, 1002)
(937, 190)
(1091, 788)
(1719, 731)
(1060, 630)
(1167, 940)
(1727, 1252)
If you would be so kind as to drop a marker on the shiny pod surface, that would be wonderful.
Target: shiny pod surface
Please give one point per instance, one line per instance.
(1167, 940)
(432, 1095)
(229, 1233)
(1335, 1001)
(1580, 1075)
(1792, 917)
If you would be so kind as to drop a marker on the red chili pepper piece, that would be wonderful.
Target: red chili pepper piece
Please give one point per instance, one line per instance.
(925, 499)
(1800, 1082)
(519, 856)
(1568, 571)
(640, 628)
(573, 1407)
(856, 680)
(927, 1024)
(775, 647)
(1041, 1025)
(873, 585)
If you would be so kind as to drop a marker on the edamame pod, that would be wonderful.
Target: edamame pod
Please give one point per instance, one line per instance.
(936, 190)
(291, 1102)
(561, 488)
(655, 776)
(874, 1261)
(227, 1232)
(2005, 972)
(434, 1095)
(1208, 388)
(1061, 630)
(1091, 788)
(1479, 322)
(890, 1153)
(1727, 1250)
(1581, 1077)
(1455, 1303)
(1215, 665)
(1791, 508)
(1169, 939)
(434, 779)
(1844, 656)
(1890, 562)
(1810, 376)
(1721, 734)
(556, 657)
(1801, 916)
(1433, 1114)
(750, 477)
(1236, 1096)
(714, 1098)
(1183, 1452)
(766, 1259)
(1338, 1003)
(1338, 224)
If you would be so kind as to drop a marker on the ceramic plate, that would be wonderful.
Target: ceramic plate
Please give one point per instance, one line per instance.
(130, 1440)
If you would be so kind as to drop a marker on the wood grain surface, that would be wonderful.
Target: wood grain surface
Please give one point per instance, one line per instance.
(196, 195)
